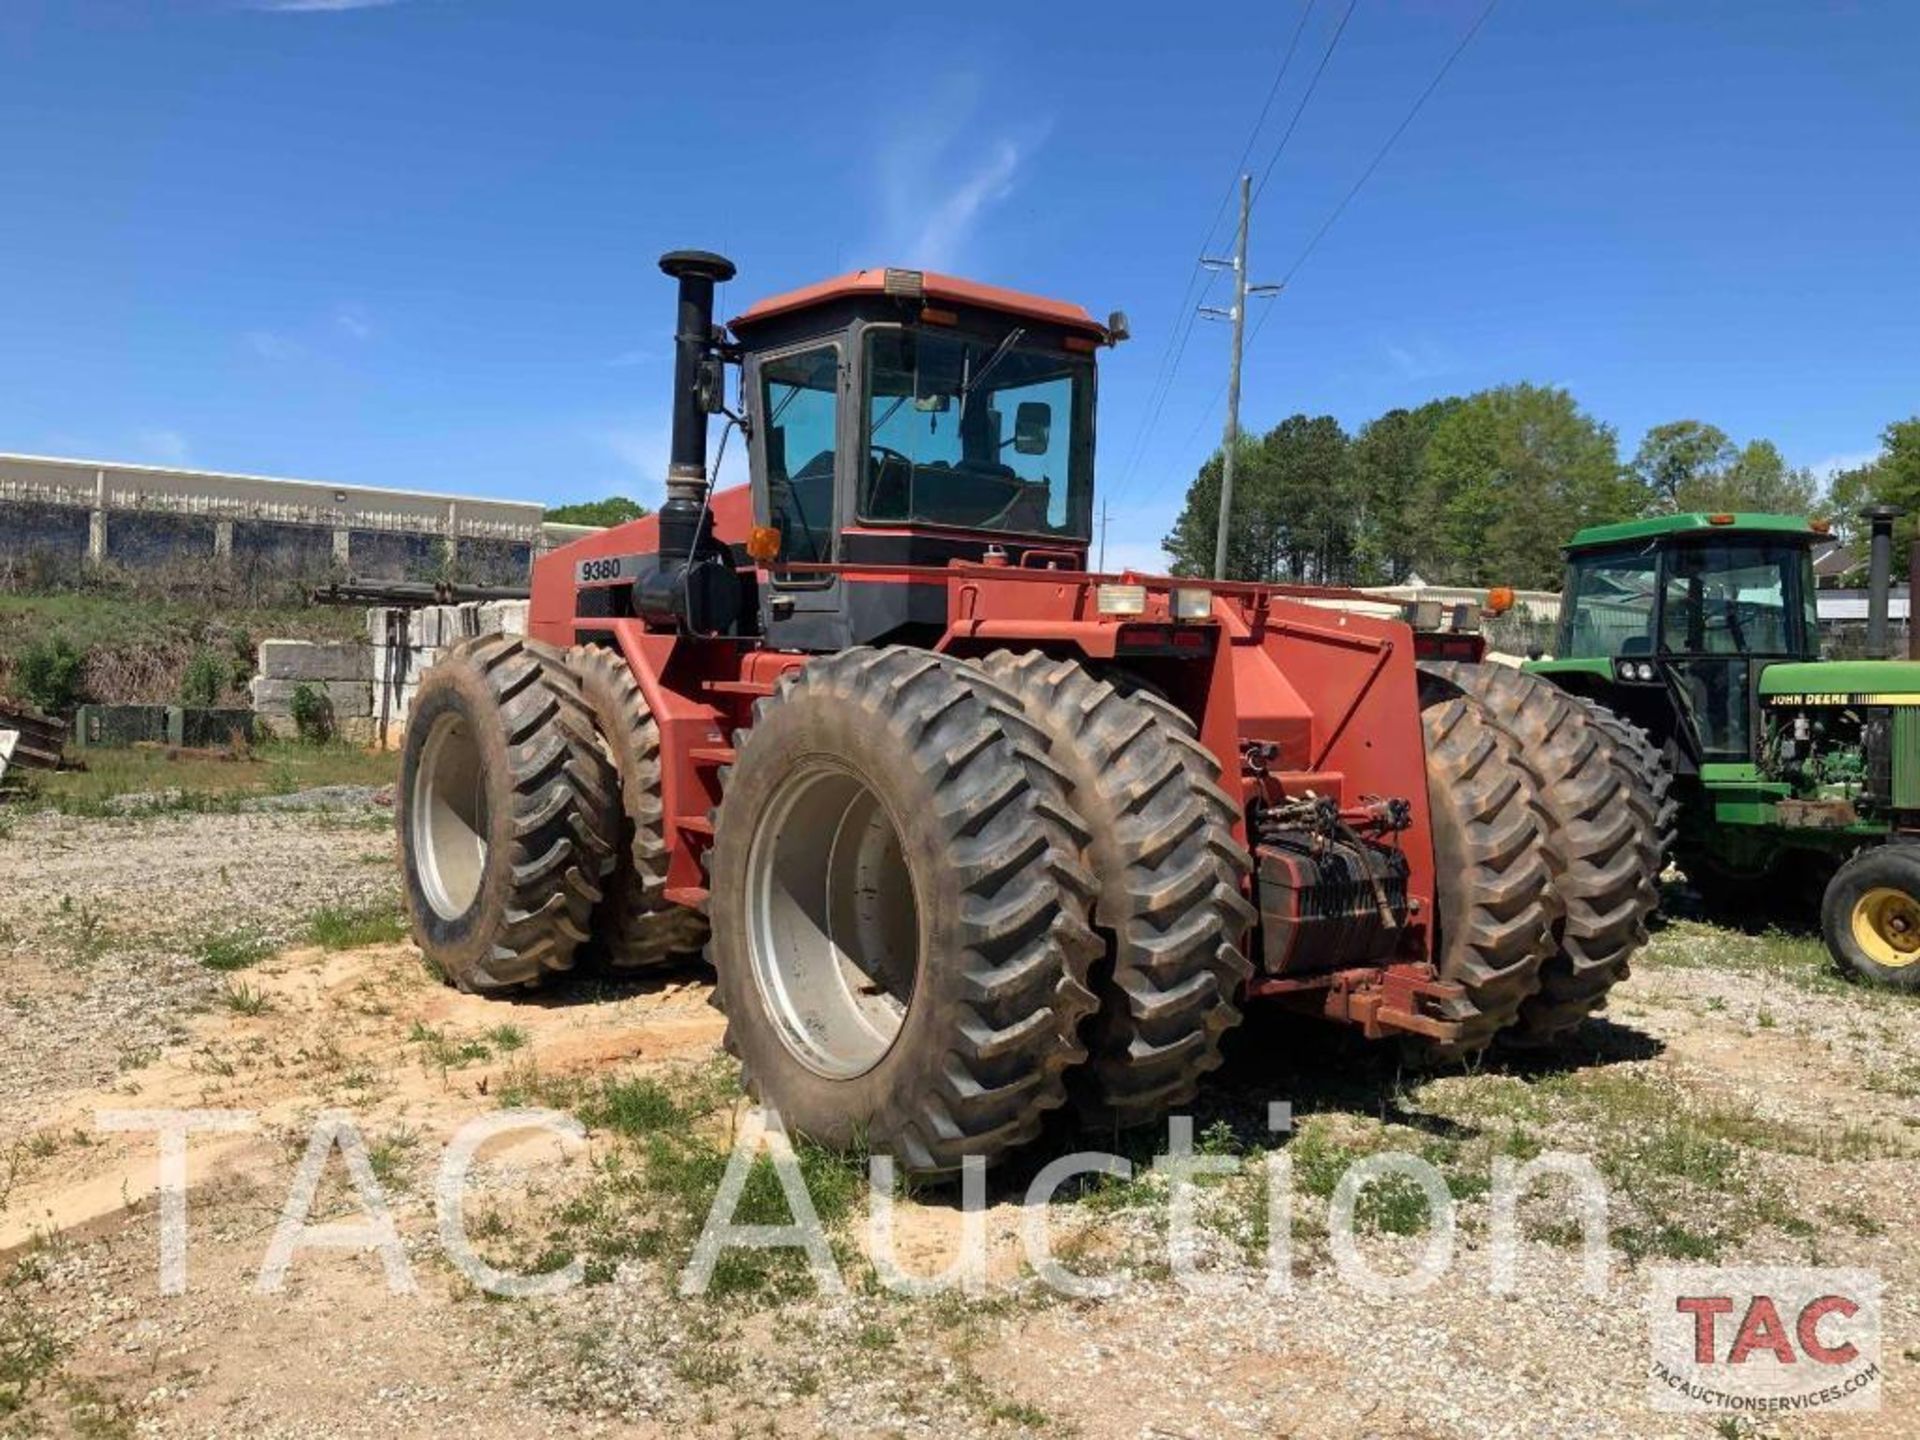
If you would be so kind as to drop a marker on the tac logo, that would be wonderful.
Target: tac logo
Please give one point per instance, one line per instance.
(1764, 1341)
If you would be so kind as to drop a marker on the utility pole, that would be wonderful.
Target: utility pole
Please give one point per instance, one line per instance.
(1238, 315)
(1102, 567)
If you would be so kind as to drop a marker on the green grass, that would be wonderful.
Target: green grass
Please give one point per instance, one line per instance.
(350, 928)
(29, 1350)
(194, 784)
(234, 950)
(243, 999)
(448, 1052)
(507, 1038)
(79, 933)
(391, 1157)
(651, 1193)
(140, 639)
(1797, 960)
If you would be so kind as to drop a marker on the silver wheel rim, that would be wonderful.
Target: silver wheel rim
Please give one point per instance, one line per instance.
(447, 820)
(833, 921)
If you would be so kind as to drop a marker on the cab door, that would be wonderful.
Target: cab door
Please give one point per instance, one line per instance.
(802, 412)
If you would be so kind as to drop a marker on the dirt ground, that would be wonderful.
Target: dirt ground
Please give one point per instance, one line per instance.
(1743, 1106)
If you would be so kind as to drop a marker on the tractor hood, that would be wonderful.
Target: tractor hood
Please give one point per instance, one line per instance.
(1862, 680)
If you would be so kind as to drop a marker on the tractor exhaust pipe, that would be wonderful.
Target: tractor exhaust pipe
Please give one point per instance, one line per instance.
(696, 394)
(1879, 575)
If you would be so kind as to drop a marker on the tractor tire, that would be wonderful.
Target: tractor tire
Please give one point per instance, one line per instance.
(1649, 769)
(1870, 916)
(635, 927)
(1172, 906)
(900, 911)
(1496, 905)
(507, 814)
(1600, 852)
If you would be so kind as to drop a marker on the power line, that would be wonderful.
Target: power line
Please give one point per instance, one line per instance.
(1175, 349)
(1399, 130)
(1325, 57)
(1347, 199)
(1246, 151)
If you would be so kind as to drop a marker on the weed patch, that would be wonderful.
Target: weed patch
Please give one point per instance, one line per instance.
(342, 928)
(235, 950)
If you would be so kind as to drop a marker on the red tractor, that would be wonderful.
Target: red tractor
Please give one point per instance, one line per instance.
(966, 831)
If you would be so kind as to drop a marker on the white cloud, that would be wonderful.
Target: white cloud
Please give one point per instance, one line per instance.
(352, 320)
(642, 449)
(271, 345)
(290, 7)
(940, 174)
(163, 447)
(1419, 359)
(1825, 470)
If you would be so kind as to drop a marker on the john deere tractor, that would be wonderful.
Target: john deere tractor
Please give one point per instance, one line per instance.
(1785, 783)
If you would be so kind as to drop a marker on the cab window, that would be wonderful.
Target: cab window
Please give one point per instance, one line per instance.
(799, 398)
(1608, 607)
(1730, 599)
(975, 433)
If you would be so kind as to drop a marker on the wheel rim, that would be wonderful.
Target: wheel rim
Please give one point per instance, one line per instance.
(448, 818)
(833, 924)
(1886, 925)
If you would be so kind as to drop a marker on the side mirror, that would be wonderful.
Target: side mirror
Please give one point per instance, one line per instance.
(711, 385)
(1032, 428)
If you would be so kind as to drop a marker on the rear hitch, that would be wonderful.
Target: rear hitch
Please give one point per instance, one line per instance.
(1406, 999)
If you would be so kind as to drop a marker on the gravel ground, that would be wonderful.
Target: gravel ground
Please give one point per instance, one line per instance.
(101, 922)
(1743, 1106)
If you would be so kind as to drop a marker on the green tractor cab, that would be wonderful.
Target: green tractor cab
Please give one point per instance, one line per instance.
(1795, 781)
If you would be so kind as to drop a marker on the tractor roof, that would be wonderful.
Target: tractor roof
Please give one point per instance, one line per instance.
(873, 283)
(1663, 525)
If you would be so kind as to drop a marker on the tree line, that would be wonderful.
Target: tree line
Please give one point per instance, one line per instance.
(1483, 489)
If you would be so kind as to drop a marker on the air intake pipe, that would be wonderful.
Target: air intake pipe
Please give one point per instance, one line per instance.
(695, 396)
(1880, 520)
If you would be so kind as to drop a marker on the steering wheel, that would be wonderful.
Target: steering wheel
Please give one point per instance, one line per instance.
(888, 456)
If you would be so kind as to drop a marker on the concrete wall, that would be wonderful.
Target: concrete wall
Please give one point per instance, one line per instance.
(145, 517)
(29, 528)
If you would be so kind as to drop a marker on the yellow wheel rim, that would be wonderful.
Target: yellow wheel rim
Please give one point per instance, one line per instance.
(1886, 925)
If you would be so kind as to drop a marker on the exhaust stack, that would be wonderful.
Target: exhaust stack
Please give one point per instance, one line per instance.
(698, 271)
(1879, 575)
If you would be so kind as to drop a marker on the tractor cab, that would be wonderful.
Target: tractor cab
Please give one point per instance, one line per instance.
(901, 418)
(1670, 621)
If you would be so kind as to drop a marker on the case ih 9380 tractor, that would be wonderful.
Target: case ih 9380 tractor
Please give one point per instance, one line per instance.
(967, 832)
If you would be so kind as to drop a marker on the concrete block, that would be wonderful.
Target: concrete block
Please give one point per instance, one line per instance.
(377, 624)
(436, 626)
(359, 730)
(503, 617)
(207, 727)
(399, 665)
(348, 697)
(277, 727)
(309, 660)
(120, 725)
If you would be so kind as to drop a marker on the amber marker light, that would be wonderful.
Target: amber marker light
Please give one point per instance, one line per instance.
(763, 543)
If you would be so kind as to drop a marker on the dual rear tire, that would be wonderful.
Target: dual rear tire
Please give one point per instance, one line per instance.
(969, 895)
(1598, 837)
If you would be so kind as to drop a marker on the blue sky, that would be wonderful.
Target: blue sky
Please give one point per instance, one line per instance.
(412, 243)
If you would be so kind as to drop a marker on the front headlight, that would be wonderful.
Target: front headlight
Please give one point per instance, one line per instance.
(1192, 604)
(1120, 599)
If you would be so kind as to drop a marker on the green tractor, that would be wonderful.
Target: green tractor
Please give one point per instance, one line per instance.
(1783, 781)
